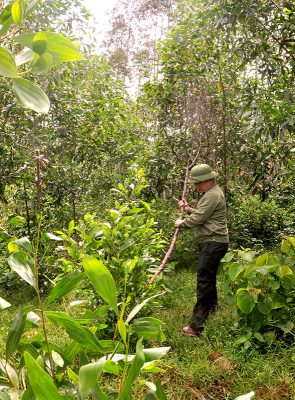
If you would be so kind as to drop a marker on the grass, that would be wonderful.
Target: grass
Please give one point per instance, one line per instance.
(211, 368)
(214, 367)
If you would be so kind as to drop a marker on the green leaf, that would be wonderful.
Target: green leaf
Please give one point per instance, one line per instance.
(284, 270)
(41, 383)
(122, 330)
(42, 64)
(17, 11)
(155, 353)
(134, 371)
(160, 392)
(138, 307)
(148, 328)
(30, 95)
(4, 304)
(23, 244)
(15, 332)
(60, 48)
(245, 301)
(51, 236)
(8, 66)
(17, 221)
(89, 374)
(265, 306)
(259, 337)
(24, 56)
(65, 285)
(4, 236)
(23, 265)
(76, 332)
(6, 25)
(10, 372)
(234, 271)
(101, 279)
(39, 43)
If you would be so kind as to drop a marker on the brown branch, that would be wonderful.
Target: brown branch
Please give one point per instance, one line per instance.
(174, 240)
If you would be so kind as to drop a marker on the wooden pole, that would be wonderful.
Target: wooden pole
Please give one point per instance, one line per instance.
(174, 240)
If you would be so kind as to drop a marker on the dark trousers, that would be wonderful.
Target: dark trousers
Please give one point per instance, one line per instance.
(210, 254)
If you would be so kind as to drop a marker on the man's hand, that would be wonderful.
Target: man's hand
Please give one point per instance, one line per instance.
(178, 222)
(183, 204)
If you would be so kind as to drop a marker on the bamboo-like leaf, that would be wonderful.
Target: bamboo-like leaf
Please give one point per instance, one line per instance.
(41, 383)
(15, 332)
(60, 48)
(4, 304)
(122, 330)
(76, 332)
(134, 370)
(8, 66)
(138, 307)
(30, 95)
(89, 374)
(6, 25)
(65, 285)
(101, 279)
(23, 265)
(8, 370)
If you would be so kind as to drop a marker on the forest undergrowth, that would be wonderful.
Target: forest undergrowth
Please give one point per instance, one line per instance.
(213, 367)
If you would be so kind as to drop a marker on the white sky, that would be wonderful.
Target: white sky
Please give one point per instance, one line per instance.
(99, 9)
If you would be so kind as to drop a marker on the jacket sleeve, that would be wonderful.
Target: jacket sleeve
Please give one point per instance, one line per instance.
(204, 210)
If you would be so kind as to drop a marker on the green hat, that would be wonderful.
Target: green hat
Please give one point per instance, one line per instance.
(201, 172)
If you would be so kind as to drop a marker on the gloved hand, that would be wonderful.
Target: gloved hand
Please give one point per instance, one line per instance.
(183, 204)
(178, 222)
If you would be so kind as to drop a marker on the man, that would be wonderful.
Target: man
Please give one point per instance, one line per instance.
(209, 219)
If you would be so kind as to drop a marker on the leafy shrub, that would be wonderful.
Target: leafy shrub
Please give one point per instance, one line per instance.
(256, 223)
(263, 288)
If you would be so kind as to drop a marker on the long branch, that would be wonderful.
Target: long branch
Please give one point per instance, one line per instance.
(174, 240)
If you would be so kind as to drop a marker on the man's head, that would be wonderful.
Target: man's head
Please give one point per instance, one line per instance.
(202, 176)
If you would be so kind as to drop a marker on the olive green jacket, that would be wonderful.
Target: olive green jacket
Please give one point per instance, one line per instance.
(209, 218)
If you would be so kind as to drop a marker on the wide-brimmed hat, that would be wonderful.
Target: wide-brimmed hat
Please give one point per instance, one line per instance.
(202, 172)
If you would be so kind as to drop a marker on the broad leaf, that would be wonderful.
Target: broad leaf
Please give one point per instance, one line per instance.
(234, 271)
(23, 265)
(41, 383)
(42, 64)
(65, 285)
(39, 43)
(76, 332)
(148, 328)
(24, 56)
(30, 95)
(22, 244)
(283, 270)
(8, 66)
(60, 48)
(101, 279)
(245, 301)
